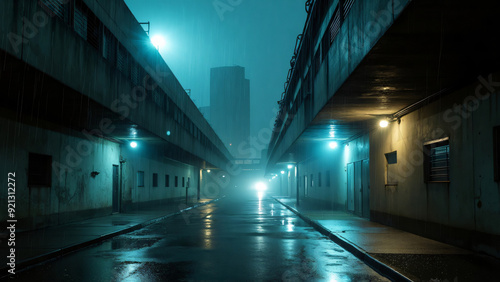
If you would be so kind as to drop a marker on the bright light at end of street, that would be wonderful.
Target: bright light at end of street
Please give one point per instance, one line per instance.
(383, 123)
(133, 144)
(333, 144)
(260, 186)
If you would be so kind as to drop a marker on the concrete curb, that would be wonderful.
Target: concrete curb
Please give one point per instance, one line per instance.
(376, 265)
(28, 263)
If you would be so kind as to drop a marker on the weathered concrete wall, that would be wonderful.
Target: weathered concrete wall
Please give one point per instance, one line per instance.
(149, 161)
(69, 88)
(74, 194)
(468, 207)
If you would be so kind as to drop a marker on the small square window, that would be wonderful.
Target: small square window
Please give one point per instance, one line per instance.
(391, 175)
(140, 179)
(437, 161)
(39, 170)
(167, 180)
(155, 179)
(176, 181)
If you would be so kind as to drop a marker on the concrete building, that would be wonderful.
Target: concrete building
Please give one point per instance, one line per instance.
(81, 82)
(430, 71)
(230, 107)
(205, 111)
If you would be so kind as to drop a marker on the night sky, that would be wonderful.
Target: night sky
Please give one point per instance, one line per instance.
(200, 34)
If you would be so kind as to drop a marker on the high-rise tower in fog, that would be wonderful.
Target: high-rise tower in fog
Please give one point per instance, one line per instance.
(230, 107)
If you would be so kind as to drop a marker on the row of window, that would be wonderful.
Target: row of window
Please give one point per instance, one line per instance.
(306, 55)
(140, 180)
(40, 173)
(86, 24)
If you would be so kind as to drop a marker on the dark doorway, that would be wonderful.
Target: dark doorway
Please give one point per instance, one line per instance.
(116, 199)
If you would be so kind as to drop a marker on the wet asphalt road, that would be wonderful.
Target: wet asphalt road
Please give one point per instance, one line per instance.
(234, 239)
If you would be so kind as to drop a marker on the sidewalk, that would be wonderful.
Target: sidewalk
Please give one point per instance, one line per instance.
(397, 254)
(36, 246)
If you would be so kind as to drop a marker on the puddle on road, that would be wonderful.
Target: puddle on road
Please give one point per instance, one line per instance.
(153, 271)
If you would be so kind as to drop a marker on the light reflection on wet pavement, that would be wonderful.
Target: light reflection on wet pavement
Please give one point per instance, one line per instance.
(233, 239)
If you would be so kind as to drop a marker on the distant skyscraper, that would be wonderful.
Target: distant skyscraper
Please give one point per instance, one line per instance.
(230, 107)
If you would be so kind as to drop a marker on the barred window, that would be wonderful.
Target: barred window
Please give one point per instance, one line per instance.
(134, 72)
(437, 161)
(122, 63)
(58, 8)
(80, 21)
(109, 46)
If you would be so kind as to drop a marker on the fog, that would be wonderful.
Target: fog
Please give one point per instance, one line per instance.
(201, 34)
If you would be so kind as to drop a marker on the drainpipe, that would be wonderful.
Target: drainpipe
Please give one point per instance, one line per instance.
(122, 161)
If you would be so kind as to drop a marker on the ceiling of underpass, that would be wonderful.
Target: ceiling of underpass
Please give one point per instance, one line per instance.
(431, 47)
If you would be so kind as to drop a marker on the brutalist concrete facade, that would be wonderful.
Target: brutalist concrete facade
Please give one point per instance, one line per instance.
(81, 81)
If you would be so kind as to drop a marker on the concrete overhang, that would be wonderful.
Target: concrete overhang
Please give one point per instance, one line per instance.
(432, 47)
(35, 98)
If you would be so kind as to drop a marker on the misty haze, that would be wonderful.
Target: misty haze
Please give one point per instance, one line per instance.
(250, 140)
